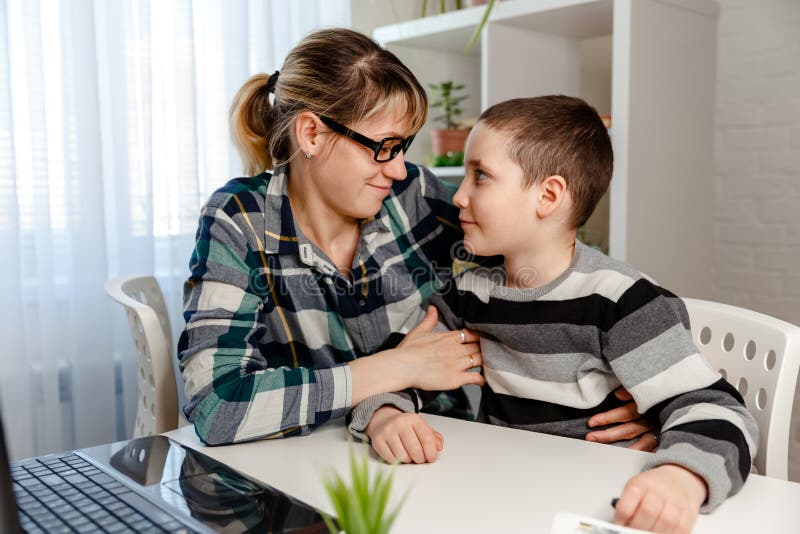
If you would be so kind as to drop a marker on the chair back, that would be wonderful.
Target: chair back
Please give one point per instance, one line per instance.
(147, 316)
(759, 355)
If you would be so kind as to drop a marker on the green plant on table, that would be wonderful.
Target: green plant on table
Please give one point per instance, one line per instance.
(362, 507)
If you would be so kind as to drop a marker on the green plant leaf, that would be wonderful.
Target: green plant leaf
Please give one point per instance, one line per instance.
(358, 471)
(356, 523)
(362, 506)
(387, 524)
(332, 528)
(477, 32)
(337, 492)
(378, 500)
(381, 496)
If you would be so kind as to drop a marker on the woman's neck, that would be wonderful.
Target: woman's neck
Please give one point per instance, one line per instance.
(336, 234)
(540, 264)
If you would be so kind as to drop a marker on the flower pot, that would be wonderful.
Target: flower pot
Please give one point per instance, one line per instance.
(447, 141)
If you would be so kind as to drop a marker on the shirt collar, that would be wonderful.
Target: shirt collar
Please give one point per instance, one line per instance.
(280, 234)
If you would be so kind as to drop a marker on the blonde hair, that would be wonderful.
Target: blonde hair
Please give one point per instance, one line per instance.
(335, 72)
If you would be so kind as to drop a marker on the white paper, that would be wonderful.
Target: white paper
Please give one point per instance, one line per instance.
(566, 523)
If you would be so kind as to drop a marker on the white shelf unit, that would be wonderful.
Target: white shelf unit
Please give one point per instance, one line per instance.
(651, 64)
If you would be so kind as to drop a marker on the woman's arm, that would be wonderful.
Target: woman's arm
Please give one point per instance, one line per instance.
(243, 378)
(242, 373)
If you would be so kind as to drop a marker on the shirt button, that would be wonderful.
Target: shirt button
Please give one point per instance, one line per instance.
(362, 302)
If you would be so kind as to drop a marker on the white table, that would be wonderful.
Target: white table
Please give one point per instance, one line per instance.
(492, 479)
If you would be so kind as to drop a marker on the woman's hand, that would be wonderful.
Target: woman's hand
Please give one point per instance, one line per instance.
(434, 361)
(628, 425)
(404, 437)
(664, 499)
(439, 361)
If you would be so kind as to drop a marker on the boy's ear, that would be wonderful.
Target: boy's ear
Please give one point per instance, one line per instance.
(306, 131)
(552, 191)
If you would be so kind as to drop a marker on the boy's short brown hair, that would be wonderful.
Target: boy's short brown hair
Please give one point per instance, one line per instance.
(561, 135)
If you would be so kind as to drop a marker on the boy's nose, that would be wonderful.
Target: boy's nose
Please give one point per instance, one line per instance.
(461, 198)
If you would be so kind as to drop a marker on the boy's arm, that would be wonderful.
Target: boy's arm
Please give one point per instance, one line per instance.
(705, 426)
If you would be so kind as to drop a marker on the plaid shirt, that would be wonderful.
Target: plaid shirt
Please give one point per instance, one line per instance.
(271, 323)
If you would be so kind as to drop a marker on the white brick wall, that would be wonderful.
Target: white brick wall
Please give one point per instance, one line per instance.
(757, 164)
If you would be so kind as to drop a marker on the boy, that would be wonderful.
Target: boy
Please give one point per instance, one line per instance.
(562, 325)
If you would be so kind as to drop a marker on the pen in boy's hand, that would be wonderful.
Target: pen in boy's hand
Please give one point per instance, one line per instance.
(614, 502)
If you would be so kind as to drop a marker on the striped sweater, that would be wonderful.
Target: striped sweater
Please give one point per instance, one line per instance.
(553, 356)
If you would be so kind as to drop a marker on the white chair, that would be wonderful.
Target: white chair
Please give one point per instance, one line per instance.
(158, 409)
(759, 355)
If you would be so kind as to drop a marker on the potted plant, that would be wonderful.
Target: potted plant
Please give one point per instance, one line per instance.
(448, 142)
(362, 507)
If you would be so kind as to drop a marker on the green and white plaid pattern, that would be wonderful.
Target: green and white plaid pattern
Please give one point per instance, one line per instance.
(271, 322)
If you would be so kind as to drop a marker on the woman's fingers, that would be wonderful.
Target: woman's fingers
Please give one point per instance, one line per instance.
(623, 394)
(464, 349)
(648, 442)
(425, 326)
(620, 432)
(621, 414)
(428, 322)
(470, 336)
(474, 360)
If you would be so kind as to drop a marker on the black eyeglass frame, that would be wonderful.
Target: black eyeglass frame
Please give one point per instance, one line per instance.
(375, 146)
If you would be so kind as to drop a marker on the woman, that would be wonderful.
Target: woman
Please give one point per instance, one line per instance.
(307, 284)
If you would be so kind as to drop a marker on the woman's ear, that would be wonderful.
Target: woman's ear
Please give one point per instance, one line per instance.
(552, 191)
(306, 132)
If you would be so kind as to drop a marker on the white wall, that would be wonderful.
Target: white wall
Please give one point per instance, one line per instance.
(757, 164)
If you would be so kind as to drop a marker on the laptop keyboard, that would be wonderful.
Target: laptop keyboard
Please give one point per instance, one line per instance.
(68, 494)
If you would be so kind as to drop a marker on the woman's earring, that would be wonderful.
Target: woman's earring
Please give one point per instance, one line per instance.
(308, 155)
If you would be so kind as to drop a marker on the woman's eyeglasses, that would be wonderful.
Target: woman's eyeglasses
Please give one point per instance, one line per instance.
(384, 150)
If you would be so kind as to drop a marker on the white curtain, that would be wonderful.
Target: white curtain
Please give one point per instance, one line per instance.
(113, 131)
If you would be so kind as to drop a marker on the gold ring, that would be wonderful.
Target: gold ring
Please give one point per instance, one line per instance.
(462, 336)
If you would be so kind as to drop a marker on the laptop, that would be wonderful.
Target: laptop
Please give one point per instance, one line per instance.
(150, 484)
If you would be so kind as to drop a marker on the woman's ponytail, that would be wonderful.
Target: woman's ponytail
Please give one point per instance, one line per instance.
(252, 123)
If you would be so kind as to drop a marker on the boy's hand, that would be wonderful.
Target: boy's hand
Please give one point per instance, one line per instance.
(664, 499)
(405, 437)
(628, 425)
